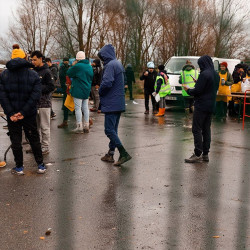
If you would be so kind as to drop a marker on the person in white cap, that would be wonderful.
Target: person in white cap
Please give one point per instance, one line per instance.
(149, 77)
(82, 75)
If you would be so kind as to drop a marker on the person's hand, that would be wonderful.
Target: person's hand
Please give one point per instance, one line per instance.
(19, 116)
(146, 73)
(154, 94)
(13, 118)
(186, 88)
(97, 87)
(126, 86)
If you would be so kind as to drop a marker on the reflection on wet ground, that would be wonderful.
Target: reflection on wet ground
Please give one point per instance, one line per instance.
(155, 201)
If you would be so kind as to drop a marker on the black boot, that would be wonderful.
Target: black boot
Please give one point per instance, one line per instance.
(124, 156)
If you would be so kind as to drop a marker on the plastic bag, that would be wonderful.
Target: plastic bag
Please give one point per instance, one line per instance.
(157, 98)
(245, 85)
(69, 103)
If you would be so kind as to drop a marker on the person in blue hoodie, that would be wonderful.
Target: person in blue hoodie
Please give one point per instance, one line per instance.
(112, 98)
(204, 94)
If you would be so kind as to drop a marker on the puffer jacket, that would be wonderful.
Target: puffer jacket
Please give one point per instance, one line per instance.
(111, 91)
(206, 86)
(20, 88)
(47, 81)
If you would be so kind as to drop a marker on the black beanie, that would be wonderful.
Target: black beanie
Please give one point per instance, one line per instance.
(161, 67)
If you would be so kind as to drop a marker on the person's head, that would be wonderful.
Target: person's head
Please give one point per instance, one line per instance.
(161, 67)
(240, 71)
(48, 61)
(96, 63)
(223, 66)
(37, 58)
(248, 71)
(188, 62)
(66, 60)
(150, 66)
(18, 53)
(80, 56)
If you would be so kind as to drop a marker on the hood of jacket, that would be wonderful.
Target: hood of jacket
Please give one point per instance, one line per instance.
(107, 53)
(205, 62)
(18, 63)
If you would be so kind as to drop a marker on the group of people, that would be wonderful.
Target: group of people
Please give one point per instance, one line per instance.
(25, 96)
(26, 89)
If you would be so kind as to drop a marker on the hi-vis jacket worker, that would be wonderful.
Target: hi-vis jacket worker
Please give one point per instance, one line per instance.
(162, 87)
(188, 76)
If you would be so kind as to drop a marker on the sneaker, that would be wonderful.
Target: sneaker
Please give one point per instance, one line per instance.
(146, 112)
(41, 169)
(99, 111)
(53, 115)
(17, 171)
(2, 164)
(108, 158)
(93, 110)
(123, 159)
(205, 158)
(194, 158)
(45, 151)
(64, 124)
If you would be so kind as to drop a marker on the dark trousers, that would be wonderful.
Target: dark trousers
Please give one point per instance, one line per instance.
(29, 126)
(148, 93)
(201, 131)
(65, 110)
(188, 102)
(130, 88)
(111, 124)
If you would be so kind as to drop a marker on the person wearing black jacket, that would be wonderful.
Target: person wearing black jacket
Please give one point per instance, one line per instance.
(204, 93)
(44, 104)
(97, 78)
(149, 77)
(20, 90)
(54, 71)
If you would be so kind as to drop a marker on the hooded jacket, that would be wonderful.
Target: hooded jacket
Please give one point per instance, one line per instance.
(97, 78)
(149, 80)
(20, 88)
(82, 76)
(47, 81)
(111, 91)
(206, 86)
(130, 75)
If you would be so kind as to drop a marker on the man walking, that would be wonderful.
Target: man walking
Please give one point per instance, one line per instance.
(62, 76)
(204, 94)
(149, 77)
(112, 98)
(44, 104)
(20, 89)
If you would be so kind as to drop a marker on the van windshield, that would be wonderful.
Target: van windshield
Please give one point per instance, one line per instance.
(174, 65)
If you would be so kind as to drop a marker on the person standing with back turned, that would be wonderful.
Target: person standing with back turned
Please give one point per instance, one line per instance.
(112, 102)
(204, 94)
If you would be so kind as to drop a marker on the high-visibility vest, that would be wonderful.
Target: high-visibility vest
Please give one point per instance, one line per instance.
(165, 88)
(187, 80)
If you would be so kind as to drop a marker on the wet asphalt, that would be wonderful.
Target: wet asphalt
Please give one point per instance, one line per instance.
(155, 201)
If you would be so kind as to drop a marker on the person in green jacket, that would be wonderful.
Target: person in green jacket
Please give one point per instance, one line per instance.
(62, 76)
(82, 76)
(188, 78)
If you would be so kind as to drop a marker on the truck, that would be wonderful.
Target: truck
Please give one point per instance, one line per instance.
(174, 67)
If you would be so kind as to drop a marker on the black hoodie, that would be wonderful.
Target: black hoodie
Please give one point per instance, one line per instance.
(20, 88)
(205, 89)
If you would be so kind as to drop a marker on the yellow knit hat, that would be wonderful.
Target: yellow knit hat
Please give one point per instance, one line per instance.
(18, 53)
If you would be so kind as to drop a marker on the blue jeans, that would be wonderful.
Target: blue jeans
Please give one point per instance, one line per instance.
(111, 124)
(81, 105)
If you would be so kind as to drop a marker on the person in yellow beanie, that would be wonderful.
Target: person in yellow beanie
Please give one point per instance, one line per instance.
(17, 52)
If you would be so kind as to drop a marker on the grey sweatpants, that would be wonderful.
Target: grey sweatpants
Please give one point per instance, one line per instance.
(43, 125)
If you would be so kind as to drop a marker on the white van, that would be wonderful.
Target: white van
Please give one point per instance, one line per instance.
(174, 67)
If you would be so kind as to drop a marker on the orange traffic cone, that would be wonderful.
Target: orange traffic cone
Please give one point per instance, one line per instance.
(161, 112)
